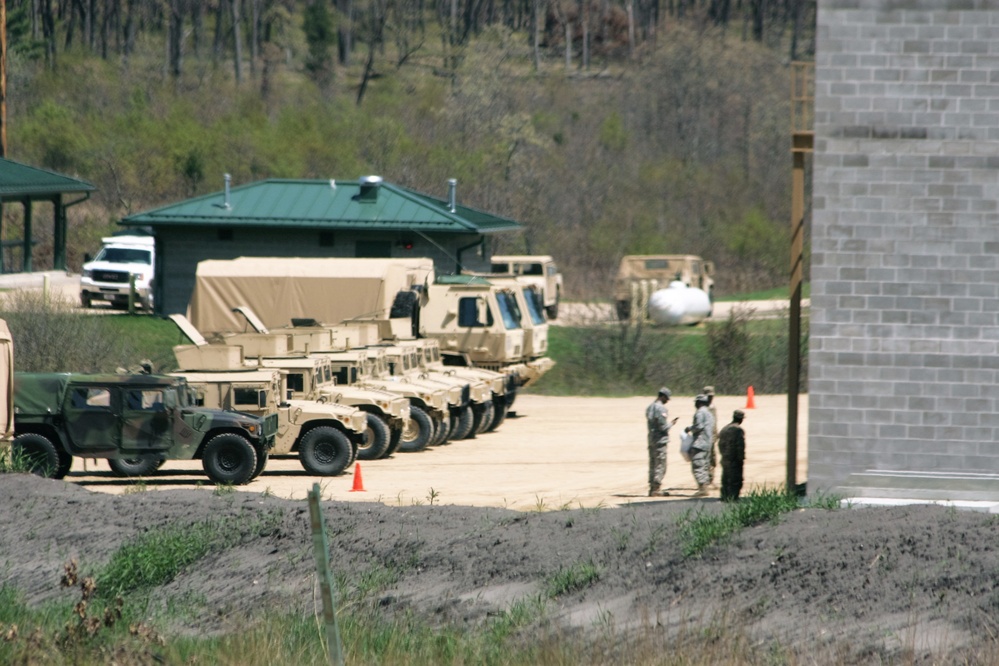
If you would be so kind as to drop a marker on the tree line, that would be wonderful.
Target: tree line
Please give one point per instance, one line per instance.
(669, 133)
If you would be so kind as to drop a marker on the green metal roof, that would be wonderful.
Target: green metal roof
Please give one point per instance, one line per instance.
(20, 180)
(324, 204)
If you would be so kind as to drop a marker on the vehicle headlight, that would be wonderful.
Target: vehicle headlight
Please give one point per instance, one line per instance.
(87, 273)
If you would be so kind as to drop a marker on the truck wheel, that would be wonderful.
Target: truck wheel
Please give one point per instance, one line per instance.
(418, 431)
(499, 415)
(461, 425)
(40, 456)
(126, 467)
(483, 415)
(552, 310)
(84, 300)
(376, 439)
(325, 451)
(442, 428)
(261, 463)
(395, 438)
(229, 458)
(623, 310)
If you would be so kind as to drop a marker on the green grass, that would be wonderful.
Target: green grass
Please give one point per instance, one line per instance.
(572, 578)
(150, 337)
(768, 294)
(700, 530)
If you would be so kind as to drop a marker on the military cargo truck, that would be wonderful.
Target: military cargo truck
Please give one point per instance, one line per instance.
(639, 276)
(135, 422)
(539, 271)
(325, 437)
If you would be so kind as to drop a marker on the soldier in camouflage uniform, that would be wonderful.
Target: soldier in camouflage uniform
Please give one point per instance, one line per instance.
(659, 424)
(732, 446)
(709, 392)
(700, 451)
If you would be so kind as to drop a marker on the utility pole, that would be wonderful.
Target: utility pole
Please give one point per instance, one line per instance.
(802, 142)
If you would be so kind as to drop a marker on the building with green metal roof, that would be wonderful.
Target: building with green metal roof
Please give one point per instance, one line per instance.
(26, 185)
(314, 218)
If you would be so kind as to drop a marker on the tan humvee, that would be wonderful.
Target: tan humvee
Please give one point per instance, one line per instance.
(324, 436)
(641, 275)
(537, 270)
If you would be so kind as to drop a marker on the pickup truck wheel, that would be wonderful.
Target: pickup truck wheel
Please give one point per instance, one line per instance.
(325, 451)
(461, 425)
(483, 416)
(261, 463)
(39, 456)
(376, 439)
(85, 300)
(126, 467)
(229, 458)
(418, 431)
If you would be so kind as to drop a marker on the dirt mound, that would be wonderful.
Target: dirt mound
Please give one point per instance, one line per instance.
(870, 582)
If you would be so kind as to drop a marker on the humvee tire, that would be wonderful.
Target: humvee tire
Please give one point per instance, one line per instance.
(41, 456)
(442, 428)
(483, 417)
(325, 451)
(461, 426)
(499, 414)
(417, 434)
(376, 439)
(261, 463)
(623, 310)
(229, 458)
(395, 438)
(126, 467)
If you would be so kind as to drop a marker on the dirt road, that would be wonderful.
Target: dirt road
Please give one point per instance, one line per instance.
(557, 452)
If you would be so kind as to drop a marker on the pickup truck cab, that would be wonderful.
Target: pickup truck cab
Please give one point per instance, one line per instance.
(108, 277)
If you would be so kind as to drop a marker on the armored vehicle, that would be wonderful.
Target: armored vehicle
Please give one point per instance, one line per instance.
(134, 421)
(325, 437)
(539, 271)
(639, 276)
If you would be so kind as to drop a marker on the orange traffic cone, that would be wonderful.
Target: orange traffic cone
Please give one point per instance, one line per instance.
(750, 403)
(358, 483)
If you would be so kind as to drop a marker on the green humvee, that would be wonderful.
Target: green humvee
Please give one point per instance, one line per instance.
(134, 421)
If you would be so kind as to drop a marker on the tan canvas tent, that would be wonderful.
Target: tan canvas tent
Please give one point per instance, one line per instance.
(6, 381)
(280, 289)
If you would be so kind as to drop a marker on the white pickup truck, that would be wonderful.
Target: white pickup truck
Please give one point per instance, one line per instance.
(539, 270)
(108, 276)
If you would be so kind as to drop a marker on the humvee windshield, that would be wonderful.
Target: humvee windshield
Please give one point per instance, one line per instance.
(657, 264)
(345, 376)
(296, 382)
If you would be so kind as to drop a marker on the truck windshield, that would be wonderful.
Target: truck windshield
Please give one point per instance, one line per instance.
(508, 309)
(125, 255)
(534, 306)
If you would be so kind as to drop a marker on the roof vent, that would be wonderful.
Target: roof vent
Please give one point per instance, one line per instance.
(452, 194)
(228, 181)
(369, 189)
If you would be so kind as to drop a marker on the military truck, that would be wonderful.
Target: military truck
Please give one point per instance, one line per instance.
(135, 422)
(537, 270)
(639, 276)
(325, 437)
(385, 414)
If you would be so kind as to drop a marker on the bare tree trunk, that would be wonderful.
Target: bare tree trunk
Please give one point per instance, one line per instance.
(536, 36)
(175, 35)
(49, 33)
(584, 18)
(254, 36)
(237, 42)
(631, 28)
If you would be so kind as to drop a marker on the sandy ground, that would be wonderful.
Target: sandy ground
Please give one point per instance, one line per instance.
(556, 452)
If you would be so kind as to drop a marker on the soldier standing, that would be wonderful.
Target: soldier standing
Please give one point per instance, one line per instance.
(732, 446)
(700, 451)
(709, 392)
(659, 424)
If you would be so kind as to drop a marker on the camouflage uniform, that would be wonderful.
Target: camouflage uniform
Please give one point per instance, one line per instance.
(732, 446)
(709, 391)
(658, 423)
(700, 452)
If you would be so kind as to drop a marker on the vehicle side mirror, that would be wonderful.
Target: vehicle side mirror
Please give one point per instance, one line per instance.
(289, 394)
(481, 311)
(87, 258)
(170, 400)
(262, 398)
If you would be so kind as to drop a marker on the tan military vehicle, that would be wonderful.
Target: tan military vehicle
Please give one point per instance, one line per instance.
(537, 270)
(325, 437)
(639, 276)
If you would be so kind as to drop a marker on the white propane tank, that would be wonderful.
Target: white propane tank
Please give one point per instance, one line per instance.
(679, 304)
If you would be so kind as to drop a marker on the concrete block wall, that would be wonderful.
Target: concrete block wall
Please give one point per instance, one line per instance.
(904, 329)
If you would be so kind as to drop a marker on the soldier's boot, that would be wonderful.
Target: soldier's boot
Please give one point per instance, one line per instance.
(653, 491)
(702, 490)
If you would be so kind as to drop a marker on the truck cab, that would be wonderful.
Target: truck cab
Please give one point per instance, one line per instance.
(538, 270)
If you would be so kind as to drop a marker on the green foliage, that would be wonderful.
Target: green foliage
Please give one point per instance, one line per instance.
(572, 578)
(157, 556)
(320, 36)
(700, 530)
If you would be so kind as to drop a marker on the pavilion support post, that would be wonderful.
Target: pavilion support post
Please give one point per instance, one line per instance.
(59, 235)
(26, 258)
